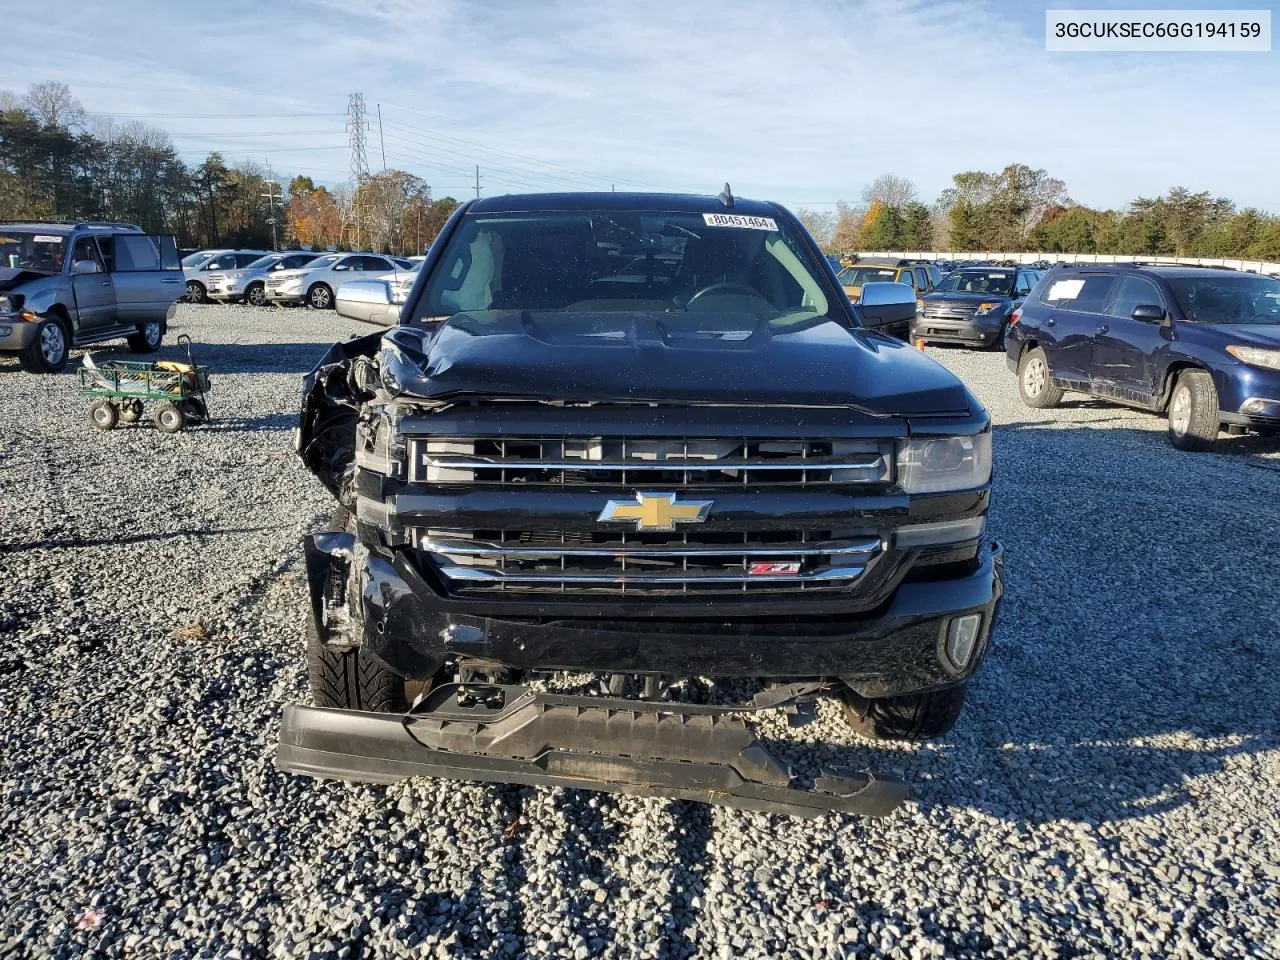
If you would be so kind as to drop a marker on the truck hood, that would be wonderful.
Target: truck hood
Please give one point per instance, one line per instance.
(709, 358)
(11, 279)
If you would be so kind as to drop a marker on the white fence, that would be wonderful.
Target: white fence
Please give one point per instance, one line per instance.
(1257, 266)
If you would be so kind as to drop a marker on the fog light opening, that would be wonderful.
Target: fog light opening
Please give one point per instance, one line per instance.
(962, 639)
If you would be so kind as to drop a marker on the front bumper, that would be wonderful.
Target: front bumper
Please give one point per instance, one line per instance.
(279, 296)
(17, 334)
(975, 331)
(895, 649)
(512, 734)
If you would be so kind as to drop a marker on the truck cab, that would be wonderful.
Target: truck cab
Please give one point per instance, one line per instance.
(70, 284)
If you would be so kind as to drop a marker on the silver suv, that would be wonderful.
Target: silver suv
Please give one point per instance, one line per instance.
(65, 284)
(249, 284)
(315, 283)
(198, 277)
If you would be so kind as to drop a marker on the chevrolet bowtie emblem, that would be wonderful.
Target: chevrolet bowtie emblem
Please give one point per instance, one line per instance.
(656, 511)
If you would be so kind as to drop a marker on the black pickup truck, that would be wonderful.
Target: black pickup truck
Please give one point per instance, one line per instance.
(644, 439)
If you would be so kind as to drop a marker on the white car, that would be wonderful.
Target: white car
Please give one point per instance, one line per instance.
(198, 276)
(249, 284)
(315, 283)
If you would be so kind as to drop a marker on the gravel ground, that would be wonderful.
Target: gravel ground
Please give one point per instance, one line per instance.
(1110, 791)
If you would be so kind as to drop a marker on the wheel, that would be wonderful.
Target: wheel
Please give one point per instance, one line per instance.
(48, 352)
(195, 291)
(921, 716)
(103, 414)
(148, 337)
(1193, 411)
(1034, 385)
(350, 679)
(256, 294)
(168, 418)
(131, 412)
(320, 297)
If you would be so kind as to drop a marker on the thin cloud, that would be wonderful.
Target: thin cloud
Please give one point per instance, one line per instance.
(807, 100)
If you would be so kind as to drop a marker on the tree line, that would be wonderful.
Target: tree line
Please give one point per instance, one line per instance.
(1018, 208)
(58, 162)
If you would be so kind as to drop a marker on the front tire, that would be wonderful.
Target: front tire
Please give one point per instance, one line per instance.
(350, 678)
(49, 351)
(1193, 411)
(1034, 384)
(320, 297)
(195, 291)
(921, 716)
(148, 338)
(256, 295)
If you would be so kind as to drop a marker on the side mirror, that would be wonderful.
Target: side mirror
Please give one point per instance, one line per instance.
(375, 292)
(880, 294)
(85, 266)
(1149, 313)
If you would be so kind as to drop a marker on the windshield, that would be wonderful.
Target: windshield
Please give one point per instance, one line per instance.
(857, 276)
(263, 262)
(28, 250)
(319, 262)
(637, 261)
(999, 282)
(1243, 299)
(195, 259)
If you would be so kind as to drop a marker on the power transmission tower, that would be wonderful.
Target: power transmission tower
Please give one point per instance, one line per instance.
(271, 196)
(356, 129)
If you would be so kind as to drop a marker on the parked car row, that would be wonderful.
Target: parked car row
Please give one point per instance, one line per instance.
(287, 277)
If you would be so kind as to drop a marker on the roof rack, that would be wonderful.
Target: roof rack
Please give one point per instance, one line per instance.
(79, 224)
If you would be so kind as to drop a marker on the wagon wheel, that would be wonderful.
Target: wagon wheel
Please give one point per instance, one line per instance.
(168, 417)
(103, 414)
(131, 411)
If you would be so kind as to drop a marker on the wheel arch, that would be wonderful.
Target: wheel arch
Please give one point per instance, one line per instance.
(1170, 377)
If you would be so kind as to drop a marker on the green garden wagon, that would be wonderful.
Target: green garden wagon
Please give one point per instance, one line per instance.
(175, 390)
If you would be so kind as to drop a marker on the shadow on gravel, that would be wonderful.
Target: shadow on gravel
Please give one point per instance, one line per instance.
(1136, 651)
(74, 543)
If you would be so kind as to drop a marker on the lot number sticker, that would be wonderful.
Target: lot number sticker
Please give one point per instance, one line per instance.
(40, 239)
(734, 220)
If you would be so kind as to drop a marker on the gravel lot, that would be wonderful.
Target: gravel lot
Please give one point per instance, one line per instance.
(1110, 791)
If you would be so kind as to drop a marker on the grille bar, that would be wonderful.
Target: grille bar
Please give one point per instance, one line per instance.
(634, 579)
(872, 461)
(474, 548)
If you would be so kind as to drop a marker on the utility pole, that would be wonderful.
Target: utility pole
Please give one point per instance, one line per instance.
(382, 140)
(356, 127)
(418, 249)
(271, 196)
(477, 181)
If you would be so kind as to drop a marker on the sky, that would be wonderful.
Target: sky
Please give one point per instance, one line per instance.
(800, 101)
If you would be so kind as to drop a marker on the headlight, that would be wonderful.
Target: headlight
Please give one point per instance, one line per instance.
(234, 276)
(1256, 356)
(991, 307)
(947, 463)
(7, 304)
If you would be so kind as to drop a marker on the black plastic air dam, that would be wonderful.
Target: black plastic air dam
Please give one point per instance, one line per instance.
(512, 734)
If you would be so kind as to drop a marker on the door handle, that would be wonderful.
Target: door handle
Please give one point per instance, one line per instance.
(1104, 329)
(106, 283)
(170, 281)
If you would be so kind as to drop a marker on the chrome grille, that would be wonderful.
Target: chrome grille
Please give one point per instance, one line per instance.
(565, 564)
(959, 310)
(668, 463)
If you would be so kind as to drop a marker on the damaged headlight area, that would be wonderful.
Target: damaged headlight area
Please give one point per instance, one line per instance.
(10, 303)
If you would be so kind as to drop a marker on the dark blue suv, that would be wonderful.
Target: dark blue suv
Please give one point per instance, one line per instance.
(1200, 345)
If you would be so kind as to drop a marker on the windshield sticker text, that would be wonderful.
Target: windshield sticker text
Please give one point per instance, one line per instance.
(734, 220)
